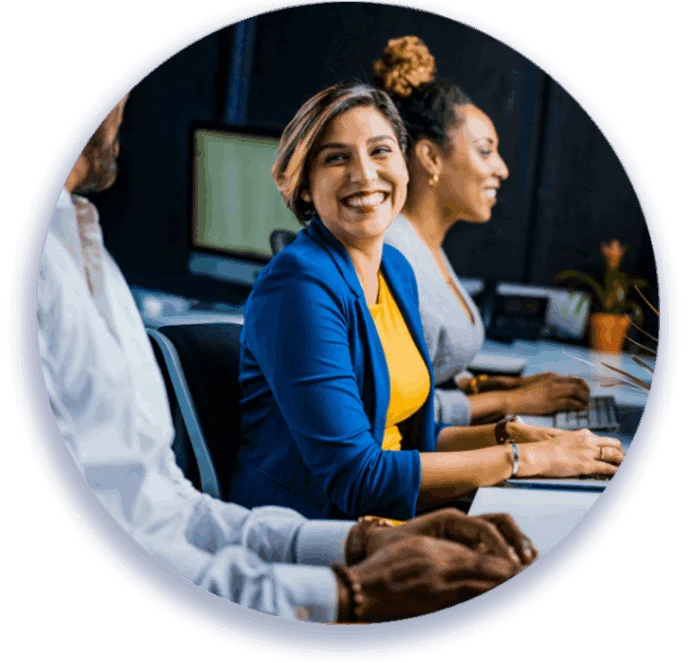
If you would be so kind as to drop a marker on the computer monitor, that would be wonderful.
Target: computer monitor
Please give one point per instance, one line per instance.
(235, 204)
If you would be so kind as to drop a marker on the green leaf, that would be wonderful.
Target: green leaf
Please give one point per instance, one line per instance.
(580, 297)
(576, 275)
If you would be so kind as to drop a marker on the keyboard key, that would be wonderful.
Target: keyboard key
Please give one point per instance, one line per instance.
(601, 416)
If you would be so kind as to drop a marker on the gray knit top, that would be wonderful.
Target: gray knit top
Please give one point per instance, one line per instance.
(452, 339)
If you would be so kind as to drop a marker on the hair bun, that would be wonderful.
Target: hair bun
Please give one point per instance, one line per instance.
(405, 65)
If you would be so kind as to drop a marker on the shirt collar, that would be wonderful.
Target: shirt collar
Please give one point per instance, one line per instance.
(65, 222)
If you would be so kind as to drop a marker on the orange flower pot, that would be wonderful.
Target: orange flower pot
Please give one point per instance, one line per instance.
(607, 331)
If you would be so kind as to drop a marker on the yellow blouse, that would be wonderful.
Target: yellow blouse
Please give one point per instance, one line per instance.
(410, 380)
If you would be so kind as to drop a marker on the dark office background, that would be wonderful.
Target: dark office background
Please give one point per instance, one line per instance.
(567, 191)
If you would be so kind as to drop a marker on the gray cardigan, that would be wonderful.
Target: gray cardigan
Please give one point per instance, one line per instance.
(452, 340)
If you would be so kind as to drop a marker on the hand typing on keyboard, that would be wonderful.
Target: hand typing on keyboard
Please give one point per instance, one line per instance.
(570, 454)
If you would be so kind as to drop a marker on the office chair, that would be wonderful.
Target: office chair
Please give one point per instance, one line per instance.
(200, 362)
(279, 239)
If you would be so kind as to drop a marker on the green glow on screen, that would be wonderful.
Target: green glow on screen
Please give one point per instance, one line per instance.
(236, 204)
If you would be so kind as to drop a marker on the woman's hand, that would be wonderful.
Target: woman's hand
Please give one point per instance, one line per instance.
(571, 454)
(547, 394)
(526, 433)
(537, 377)
(502, 382)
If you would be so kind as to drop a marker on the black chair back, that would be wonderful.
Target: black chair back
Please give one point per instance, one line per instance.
(209, 358)
(279, 239)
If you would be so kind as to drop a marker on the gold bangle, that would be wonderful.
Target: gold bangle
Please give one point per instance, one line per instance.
(474, 384)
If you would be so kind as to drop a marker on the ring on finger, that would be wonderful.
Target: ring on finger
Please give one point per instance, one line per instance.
(600, 453)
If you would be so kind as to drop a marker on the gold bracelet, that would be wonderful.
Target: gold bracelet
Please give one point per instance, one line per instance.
(474, 384)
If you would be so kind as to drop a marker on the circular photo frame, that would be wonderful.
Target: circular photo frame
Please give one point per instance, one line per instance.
(250, 629)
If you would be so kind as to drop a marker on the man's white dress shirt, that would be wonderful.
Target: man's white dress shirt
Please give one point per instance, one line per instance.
(110, 402)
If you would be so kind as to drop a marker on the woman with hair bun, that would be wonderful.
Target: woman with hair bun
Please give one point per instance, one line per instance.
(455, 173)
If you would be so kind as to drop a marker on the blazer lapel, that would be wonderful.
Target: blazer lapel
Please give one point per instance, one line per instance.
(376, 392)
(319, 233)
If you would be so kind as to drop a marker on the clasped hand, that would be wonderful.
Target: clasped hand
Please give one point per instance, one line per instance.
(435, 561)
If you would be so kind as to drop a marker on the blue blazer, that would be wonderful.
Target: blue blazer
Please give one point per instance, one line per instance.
(316, 388)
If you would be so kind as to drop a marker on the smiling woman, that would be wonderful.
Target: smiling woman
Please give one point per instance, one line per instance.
(338, 397)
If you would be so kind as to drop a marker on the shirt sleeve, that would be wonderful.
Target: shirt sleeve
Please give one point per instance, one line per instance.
(269, 559)
(236, 574)
(451, 406)
(463, 374)
(228, 550)
(297, 331)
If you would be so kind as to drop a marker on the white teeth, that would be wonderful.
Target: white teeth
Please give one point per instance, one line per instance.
(371, 200)
(492, 193)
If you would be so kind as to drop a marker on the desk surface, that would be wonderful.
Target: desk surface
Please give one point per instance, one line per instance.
(545, 518)
(547, 515)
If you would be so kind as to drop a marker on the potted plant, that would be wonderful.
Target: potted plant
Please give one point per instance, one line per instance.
(607, 328)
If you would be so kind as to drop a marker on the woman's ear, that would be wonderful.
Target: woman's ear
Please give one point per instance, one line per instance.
(429, 156)
(305, 195)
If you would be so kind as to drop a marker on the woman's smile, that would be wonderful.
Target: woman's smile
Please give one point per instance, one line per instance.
(365, 201)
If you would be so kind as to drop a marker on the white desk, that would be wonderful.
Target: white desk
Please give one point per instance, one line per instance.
(544, 516)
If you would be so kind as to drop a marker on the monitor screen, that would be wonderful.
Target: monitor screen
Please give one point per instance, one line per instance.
(236, 204)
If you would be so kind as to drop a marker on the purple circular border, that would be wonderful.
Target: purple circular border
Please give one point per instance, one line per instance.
(251, 629)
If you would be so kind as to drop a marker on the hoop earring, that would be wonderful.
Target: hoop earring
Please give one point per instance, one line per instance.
(434, 180)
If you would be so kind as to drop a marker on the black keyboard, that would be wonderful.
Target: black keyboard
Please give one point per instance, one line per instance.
(602, 415)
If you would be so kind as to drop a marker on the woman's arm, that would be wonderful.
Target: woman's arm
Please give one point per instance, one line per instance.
(492, 400)
(448, 476)
(537, 395)
(466, 438)
(490, 406)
